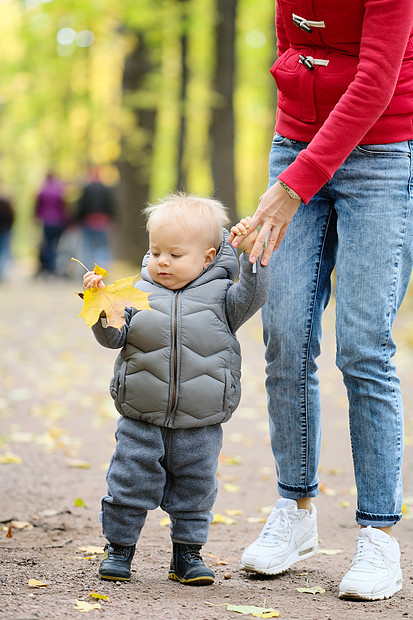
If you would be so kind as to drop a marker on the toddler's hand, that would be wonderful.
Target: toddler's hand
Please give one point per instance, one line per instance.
(92, 280)
(241, 229)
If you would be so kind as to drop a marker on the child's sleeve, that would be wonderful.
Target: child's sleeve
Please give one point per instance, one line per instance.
(249, 294)
(111, 337)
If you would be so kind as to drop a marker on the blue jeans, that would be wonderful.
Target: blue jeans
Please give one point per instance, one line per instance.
(361, 223)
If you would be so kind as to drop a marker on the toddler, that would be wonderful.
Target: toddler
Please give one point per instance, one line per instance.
(176, 379)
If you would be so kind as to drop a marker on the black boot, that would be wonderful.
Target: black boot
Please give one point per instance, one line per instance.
(187, 566)
(116, 562)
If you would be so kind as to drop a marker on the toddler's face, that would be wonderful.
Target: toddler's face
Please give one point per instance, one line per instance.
(176, 257)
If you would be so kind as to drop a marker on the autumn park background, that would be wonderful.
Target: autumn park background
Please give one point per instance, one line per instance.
(160, 95)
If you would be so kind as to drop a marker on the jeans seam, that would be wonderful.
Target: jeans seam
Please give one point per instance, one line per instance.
(393, 302)
(307, 352)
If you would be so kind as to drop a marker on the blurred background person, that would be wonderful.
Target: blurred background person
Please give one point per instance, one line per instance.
(50, 210)
(96, 215)
(6, 225)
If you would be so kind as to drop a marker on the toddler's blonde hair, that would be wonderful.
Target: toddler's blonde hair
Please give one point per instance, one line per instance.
(207, 215)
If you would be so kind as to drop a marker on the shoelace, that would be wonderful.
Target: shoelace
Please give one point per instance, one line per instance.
(119, 550)
(194, 552)
(369, 552)
(277, 523)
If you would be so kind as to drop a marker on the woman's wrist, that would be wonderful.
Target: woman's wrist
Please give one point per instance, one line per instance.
(290, 192)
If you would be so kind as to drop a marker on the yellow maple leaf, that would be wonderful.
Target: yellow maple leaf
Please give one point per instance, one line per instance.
(111, 299)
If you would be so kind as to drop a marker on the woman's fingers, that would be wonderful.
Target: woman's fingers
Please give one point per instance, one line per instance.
(259, 243)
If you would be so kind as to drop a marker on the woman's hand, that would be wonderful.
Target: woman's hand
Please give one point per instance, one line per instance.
(275, 211)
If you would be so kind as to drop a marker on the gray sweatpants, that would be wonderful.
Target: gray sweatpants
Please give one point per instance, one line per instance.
(155, 466)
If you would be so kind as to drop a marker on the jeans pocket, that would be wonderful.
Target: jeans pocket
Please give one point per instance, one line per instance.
(279, 140)
(394, 149)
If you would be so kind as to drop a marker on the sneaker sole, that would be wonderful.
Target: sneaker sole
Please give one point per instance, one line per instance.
(396, 586)
(196, 581)
(307, 550)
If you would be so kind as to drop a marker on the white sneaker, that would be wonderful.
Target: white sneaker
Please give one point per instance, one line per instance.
(375, 570)
(288, 536)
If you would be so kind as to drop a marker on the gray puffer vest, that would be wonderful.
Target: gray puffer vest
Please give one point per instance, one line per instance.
(181, 365)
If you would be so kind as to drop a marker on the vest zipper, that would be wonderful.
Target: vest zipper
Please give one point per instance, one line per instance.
(175, 362)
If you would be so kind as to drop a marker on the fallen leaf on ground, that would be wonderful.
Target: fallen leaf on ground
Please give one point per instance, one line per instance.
(407, 512)
(326, 490)
(10, 458)
(102, 597)
(334, 471)
(218, 560)
(233, 512)
(34, 583)
(229, 460)
(249, 610)
(315, 590)
(83, 606)
(231, 488)
(330, 551)
(91, 549)
(165, 521)
(79, 503)
(112, 299)
(223, 519)
(256, 519)
(344, 504)
(78, 464)
(49, 512)
(20, 525)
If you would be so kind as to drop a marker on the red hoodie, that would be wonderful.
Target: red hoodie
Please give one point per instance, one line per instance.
(364, 95)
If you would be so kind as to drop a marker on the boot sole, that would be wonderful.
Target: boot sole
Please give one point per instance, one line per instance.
(307, 550)
(113, 578)
(196, 581)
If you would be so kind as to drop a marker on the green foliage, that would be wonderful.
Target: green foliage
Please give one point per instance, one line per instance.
(61, 102)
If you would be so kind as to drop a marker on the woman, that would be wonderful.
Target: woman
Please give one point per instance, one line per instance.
(340, 195)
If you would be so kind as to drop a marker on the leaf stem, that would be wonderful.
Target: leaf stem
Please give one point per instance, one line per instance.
(80, 263)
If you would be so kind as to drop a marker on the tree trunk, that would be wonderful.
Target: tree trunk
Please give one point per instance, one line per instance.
(222, 121)
(182, 172)
(135, 166)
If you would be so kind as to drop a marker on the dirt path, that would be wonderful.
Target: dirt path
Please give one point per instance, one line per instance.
(57, 421)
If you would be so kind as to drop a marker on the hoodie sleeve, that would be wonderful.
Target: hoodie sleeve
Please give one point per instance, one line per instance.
(111, 337)
(386, 29)
(249, 294)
